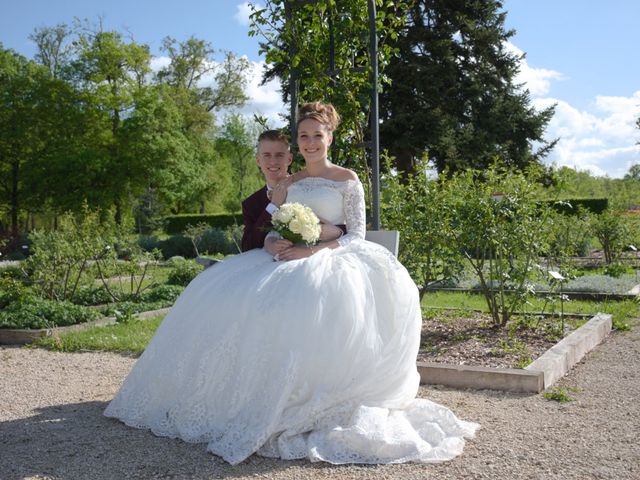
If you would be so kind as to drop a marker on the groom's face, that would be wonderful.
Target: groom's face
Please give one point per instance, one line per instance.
(273, 158)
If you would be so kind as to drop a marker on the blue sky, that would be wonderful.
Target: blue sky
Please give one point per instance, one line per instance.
(580, 55)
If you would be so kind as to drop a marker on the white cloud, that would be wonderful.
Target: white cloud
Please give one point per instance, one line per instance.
(601, 138)
(159, 62)
(265, 100)
(602, 141)
(243, 11)
(537, 80)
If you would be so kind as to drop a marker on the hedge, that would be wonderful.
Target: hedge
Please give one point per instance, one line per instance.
(178, 223)
(571, 206)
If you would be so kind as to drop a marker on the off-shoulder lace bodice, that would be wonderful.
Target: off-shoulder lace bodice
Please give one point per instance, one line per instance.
(336, 202)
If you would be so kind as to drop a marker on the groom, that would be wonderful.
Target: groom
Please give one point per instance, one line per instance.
(273, 157)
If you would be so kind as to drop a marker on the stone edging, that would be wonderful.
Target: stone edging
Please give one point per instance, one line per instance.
(19, 336)
(537, 376)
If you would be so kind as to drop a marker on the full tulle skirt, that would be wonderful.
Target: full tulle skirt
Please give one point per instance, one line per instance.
(312, 358)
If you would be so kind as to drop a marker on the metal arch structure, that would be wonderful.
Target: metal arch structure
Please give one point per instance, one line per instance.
(374, 144)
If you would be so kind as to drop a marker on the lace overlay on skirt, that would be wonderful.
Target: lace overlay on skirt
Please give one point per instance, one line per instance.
(313, 358)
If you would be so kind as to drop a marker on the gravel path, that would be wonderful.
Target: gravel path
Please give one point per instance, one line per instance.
(51, 427)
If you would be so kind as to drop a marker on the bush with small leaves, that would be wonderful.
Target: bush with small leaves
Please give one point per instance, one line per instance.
(91, 295)
(499, 228)
(167, 294)
(616, 269)
(602, 284)
(612, 231)
(12, 290)
(183, 272)
(176, 245)
(148, 243)
(36, 312)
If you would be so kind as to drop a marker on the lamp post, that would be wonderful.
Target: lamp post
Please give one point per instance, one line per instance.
(375, 123)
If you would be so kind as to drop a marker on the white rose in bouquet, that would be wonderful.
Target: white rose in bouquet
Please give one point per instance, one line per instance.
(296, 222)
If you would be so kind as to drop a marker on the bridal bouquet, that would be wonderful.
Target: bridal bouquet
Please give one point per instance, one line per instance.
(296, 222)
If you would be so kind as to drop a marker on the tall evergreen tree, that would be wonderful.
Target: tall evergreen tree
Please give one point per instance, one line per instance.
(453, 98)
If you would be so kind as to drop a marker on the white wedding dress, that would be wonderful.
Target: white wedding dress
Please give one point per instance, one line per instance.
(310, 358)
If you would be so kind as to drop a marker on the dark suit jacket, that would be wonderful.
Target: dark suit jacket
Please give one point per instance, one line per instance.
(257, 221)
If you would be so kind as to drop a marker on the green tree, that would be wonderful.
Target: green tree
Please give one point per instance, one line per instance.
(201, 87)
(453, 98)
(54, 48)
(91, 124)
(633, 173)
(325, 45)
(209, 84)
(236, 144)
(112, 73)
(22, 84)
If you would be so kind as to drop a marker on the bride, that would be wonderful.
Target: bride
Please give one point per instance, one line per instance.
(312, 356)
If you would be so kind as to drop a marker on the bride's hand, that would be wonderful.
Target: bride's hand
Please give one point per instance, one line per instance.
(295, 252)
(279, 192)
(276, 246)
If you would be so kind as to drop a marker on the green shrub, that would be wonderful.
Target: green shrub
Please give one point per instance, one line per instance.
(616, 270)
(574, 206)
(219, 241)
(12, 290)
(60, 258)
(568, 236)
(13, 271)
(148, 243)
(178, 223)
(611, 228)
(183, 272)
(92, 295)
(420, 209)
(233, 235)
(497, 223)
(167, 294)
(601, 283)
(40, 313)
(176, 245)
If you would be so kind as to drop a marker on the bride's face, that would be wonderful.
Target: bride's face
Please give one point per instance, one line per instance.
(314, 140)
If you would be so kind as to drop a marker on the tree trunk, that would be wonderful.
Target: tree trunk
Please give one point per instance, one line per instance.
(404, 163)
(14, 201)
(118, 214)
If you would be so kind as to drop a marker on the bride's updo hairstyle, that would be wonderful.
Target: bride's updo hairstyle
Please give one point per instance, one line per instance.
(322, 112)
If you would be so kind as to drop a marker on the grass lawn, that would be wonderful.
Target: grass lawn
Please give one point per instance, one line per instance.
(621, 311)
(131, 338)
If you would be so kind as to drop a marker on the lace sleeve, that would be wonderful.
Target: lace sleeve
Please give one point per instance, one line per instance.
(354, 213)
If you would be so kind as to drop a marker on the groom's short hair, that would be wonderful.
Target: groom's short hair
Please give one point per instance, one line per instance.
(275, 136)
